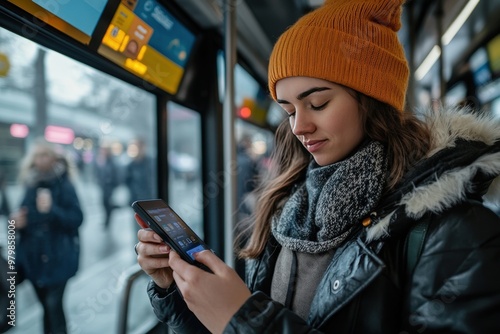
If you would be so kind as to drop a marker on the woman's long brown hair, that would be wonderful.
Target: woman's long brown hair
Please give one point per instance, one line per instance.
(405, 137)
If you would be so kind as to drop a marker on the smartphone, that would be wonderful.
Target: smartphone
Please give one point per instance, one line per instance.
(171, 228)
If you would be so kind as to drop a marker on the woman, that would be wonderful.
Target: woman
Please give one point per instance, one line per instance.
(371, 220)
(47, 224)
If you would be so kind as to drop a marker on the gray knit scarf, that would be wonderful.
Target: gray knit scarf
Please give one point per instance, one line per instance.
(321, 213)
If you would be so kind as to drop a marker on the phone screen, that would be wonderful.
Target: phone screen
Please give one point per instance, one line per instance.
(177, 230)
(162, 219)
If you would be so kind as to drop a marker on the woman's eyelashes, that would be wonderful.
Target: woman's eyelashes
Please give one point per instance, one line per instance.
(320, 107)
(312, 106)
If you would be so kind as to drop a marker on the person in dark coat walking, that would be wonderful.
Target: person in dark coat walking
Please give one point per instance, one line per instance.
(47, 223)
(139, 172)
(107, 175)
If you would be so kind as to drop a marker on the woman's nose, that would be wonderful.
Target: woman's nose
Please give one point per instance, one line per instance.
(302, 123)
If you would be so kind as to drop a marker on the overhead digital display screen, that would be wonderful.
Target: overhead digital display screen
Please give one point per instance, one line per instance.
(141, 36)
(77, 19)
(144, 38)
(83, 15)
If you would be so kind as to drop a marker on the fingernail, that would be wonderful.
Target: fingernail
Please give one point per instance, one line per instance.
(198, 253)
(164, 249)
(157, 237)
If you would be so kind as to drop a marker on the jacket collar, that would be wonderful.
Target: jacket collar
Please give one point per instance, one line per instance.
(462, 162)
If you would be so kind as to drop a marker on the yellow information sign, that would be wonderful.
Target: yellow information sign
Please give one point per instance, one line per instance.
(127, 43)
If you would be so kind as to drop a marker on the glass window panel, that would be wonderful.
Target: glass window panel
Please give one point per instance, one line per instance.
(253, 102)
(90, 118)
(253, 148)
(254, 143)
(185, 191)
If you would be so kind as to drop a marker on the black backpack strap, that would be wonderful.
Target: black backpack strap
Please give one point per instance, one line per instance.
(414, 244)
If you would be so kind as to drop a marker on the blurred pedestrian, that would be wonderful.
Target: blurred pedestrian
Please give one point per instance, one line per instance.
(139, 172)
(107, 176)
(47, 223)
(247, 171)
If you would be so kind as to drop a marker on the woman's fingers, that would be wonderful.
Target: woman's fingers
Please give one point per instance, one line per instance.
(213, 297)
(153, 255)
(212, 261)
(153, 263)
(148, 249)
(148, 235)
(139, 221)
(180, 267)
(152, 252)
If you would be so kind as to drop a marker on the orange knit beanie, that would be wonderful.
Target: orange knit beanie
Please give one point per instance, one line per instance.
(350, 42)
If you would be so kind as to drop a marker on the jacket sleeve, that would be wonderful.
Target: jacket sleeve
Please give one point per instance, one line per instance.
(260, 314)
(170, 308)
(455, 285)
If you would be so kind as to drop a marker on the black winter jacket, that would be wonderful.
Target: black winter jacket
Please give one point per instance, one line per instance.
(49, 246)
(368, 287)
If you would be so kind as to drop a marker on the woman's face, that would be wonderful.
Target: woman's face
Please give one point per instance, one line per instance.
(43, 159)
(323, 115)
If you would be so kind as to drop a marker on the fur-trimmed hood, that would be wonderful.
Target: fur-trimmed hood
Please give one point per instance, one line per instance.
(463, 162)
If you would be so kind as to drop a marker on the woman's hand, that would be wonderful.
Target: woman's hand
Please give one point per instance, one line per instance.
(213, 297)
(43, 200)
(153, 256)
(20, 218)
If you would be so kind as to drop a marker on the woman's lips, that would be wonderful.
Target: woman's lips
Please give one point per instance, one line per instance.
(314, 145)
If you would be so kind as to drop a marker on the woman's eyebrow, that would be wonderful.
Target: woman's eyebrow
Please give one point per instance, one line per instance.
(310, 91)
(304, 94)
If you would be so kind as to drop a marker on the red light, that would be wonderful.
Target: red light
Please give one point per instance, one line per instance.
(59, 134)
(19, 130)
(245, 112)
